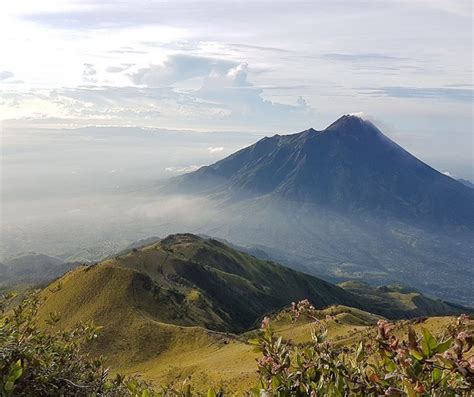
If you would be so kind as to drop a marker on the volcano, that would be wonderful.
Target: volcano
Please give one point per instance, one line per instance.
(343, 203)
(350, 166)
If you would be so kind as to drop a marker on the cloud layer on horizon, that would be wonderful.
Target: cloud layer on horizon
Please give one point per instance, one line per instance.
(251, 66)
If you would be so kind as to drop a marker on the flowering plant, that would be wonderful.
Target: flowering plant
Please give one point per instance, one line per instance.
(418, 365)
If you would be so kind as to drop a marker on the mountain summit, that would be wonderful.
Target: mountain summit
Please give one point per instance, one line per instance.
(352, 124)
(350, 166)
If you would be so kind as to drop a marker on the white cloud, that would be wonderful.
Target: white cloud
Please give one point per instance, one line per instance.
(361, 115)
(223, 98)
(217, 149)
(188, 168)
(458, 7)
(119, 69)
(89, 73)
(180, 67)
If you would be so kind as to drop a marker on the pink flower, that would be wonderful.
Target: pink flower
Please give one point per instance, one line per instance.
(462, 336)
(393, 342)
(381, 324)
(463, 318)
(401, 354)
(265, 322)
(266, 360)
(384, 327)
(471, 363)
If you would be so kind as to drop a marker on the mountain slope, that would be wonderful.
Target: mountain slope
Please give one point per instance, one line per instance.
(349, 166)
(186, 280)
(344, 203)
(32, 269)
(132, 339)
(404, 302)
(467, 183)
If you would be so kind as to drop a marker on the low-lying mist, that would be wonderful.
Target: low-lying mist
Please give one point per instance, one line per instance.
(68, 190)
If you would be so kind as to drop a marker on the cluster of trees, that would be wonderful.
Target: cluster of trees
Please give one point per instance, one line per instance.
(38, 363)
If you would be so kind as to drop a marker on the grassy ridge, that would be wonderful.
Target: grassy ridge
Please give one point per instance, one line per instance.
(173, 309)
(134, 342)
(221, 288)
(402, 302)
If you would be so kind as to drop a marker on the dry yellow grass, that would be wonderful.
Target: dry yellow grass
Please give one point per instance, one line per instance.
(134, 343)
(165, 348)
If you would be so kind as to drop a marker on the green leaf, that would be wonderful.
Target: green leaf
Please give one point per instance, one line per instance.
(417, 368)
(360, 352)
(447, 362)
(409, 388)
(443, 346)
(187, 391)
(15, 371)
(278, 343)
(412, 339)
(211, 393)
(417, 355)
(275, 382)
(428, 343)
(299, 360)
(9, 386)
(390, 365)
(436, 375)
(254, 342)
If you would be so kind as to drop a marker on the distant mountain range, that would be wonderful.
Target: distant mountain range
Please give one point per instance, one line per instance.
(343, 203)
(31, 269)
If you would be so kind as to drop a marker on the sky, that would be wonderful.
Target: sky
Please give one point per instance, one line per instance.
(250, 66)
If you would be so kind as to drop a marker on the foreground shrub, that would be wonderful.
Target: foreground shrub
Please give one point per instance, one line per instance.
(417, 366)
(36, 363)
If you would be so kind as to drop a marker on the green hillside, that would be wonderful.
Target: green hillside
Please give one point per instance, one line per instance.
(31, 269)
(188, 280)
(403, 302)
(174, 308)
